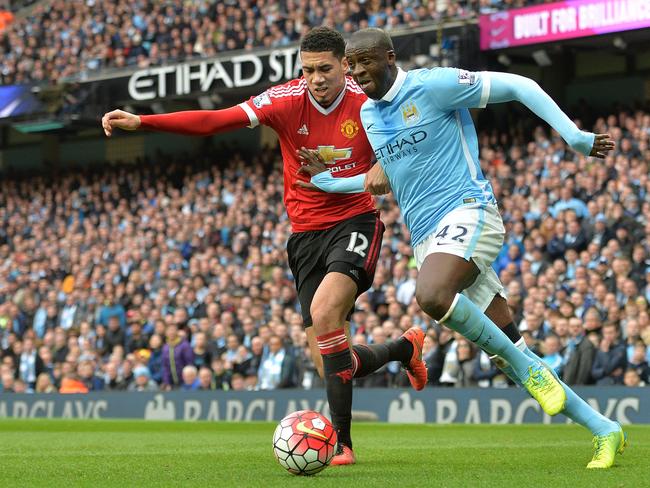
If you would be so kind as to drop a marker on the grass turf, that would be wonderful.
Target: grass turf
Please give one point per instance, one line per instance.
(135, 453)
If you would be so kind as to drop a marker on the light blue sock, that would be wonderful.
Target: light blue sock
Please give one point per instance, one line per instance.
(467, 318)
(576, 408)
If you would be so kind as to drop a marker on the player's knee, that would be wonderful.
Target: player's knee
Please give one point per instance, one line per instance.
(434, 301)
(322, 319)
(326, 317)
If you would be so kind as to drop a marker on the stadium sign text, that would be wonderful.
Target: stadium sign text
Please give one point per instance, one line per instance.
(433, 405)
(204, 76)
(562, 20)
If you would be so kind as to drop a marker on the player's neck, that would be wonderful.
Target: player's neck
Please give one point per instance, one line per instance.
(390, 80)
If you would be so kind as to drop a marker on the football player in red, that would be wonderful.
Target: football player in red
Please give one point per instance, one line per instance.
(336, 238)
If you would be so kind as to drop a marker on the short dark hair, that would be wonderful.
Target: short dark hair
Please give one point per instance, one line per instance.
(321, 39)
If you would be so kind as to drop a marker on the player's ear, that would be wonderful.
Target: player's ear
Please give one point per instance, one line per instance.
(390, 56)
(345, 65)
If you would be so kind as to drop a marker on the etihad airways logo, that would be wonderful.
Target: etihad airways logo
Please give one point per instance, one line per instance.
(401, 147)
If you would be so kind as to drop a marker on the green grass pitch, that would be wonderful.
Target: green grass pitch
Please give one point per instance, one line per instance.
(136, 453)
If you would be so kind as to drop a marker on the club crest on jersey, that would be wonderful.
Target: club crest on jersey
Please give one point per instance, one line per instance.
(349, 128)
(410, 113)
(262, 99)
(466, 78)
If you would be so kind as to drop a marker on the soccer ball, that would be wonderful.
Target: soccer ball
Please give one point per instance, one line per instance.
(304, 442)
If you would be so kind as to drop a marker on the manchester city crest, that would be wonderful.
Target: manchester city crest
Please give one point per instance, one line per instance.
(410, 113)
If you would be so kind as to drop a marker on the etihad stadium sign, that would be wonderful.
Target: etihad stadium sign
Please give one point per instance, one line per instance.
(207, 75)
(238, 74)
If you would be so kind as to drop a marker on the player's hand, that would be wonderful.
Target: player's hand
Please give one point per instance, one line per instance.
(602, 145)
(312, 163)
(121, 120)
(376, 182)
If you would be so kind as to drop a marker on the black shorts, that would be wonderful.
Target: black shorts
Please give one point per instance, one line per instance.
(350, 247)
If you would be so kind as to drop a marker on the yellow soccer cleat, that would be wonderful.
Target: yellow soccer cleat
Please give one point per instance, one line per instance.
(606, 447)
(545, 388)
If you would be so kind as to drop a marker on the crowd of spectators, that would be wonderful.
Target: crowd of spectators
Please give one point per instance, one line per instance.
(62, 38)
(172, 273)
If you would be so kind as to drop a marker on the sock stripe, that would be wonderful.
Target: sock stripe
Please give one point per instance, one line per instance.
(451, 309)
(355, 362)
(331, 335)
(342, 346)
(333, 342)
(371, 260)
(330, 341)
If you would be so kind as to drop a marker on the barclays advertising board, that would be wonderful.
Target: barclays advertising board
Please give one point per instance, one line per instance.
(433, 405)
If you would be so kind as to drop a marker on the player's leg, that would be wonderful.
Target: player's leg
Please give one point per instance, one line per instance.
(441, 280)
(609, 438)
(450, 261)
(368, 358)
(331, 313)
(329, 309)
(351, 253)
(325, 299)
(354, 250)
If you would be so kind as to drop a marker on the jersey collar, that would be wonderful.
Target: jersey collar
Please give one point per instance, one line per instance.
(331, 108)
(397, 84)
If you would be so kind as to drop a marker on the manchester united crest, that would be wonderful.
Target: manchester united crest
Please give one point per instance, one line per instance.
(349, 128)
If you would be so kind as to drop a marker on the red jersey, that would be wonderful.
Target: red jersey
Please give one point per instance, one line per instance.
(335, 132)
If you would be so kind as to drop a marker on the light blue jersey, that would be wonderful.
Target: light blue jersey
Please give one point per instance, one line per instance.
(423, 136)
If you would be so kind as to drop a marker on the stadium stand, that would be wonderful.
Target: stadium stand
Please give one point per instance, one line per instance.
(101, 270)
(38, 46)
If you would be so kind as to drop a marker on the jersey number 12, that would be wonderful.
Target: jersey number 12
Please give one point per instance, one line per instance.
(360, 247)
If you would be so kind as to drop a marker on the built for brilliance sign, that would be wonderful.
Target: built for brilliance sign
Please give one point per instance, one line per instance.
(562, 20)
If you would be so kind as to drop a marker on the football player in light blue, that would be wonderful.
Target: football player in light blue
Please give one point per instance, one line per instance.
(422, 134)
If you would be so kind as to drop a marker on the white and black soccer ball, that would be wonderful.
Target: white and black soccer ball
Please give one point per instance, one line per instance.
(304, 442)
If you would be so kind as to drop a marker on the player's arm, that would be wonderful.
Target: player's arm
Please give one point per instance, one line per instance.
(375, 181)
(454, 88)
(505, 87)
(192, 122)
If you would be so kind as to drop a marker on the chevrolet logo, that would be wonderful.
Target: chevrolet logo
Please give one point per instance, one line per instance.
(331, 155)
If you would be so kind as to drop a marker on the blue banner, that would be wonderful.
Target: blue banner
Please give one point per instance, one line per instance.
(18, 100)
(432, 405)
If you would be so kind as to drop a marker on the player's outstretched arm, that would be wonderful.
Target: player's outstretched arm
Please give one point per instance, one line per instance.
(192, 122)
(505, 87)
